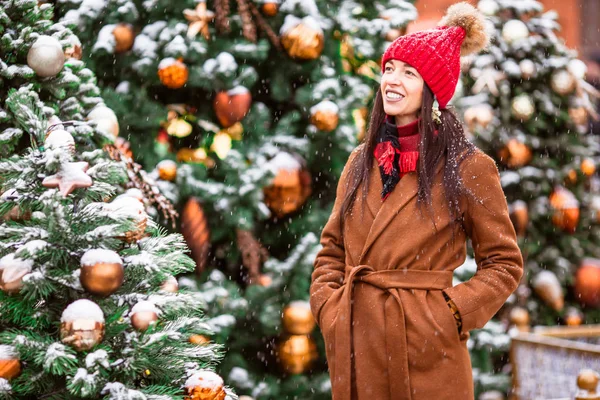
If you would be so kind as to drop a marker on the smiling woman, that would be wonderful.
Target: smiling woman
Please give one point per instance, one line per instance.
(422, 190)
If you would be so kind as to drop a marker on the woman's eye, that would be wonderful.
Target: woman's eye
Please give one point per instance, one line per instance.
(409, 72)
(388, 69)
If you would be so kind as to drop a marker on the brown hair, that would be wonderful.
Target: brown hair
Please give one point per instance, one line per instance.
(450, 143)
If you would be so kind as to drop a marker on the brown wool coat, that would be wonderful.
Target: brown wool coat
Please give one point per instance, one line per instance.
(391, 335)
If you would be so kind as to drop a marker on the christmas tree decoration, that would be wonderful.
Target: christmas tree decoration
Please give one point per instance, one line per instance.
(69, 177)
(548, 288)
(515, 154)
(221, 144)
(522, 107)
(124, 37)
(199, 18)
(587, 382)
(253, 254)
(302, 38)
(46, 57)
(291, 186)
(205, 385)
(144, 314)
(10, 366)
(265, 280)
(519, 317)
(487, 79)
(167, 170)
(170, 285)
(514, 30)
(296, 353)
(573, 317)
(232, 106)
(492, 395)
(270, 8)
(588, 167)
(519, 215)
(587, 283)
(135, 210)
(195, 230)
(488, 7)
(105, 119)
(101, 272)
(325, 116)
(199, 339)
(479, 115)
(298, 319)
(74, 50)
(577, 68)
(528, 69)
(60, 139)
(179, 128)
(562, 82)
(198, 156)
(82, 325)
(173, 73)
(566, 209)
(12, 271)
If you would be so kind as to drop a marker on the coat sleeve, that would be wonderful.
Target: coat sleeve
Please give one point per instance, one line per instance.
(330, 262)
(499, 260)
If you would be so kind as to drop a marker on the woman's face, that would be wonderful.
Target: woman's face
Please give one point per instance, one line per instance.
(402, 91)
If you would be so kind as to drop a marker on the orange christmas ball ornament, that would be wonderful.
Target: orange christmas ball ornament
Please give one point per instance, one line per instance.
(205, 385)
(101, 272)
(232, 106)
(588, 167)
(124, 37)
(566, 209)
(10, 366)
(173, 73)
(587, 283)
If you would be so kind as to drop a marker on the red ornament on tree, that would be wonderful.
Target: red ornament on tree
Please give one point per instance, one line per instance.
(587, 282)
(232, 106)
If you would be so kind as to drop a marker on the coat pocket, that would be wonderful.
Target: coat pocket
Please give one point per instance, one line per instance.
(444, 317)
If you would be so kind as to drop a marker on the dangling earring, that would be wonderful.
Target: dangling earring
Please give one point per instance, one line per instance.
(436, 113)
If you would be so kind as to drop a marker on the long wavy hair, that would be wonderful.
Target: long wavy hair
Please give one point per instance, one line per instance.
(450, 145)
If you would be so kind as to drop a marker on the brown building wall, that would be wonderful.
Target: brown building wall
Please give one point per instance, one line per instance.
(569, 11)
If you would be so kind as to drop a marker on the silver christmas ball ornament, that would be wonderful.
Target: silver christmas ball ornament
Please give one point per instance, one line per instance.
(522, 107)
(562, 82)
(528, 69)
(514, 30)
(46, 56)
(577, 68)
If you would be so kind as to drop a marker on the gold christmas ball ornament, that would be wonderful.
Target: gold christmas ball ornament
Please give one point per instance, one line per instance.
(179, 127)
(135, 211)
(172, 73)
(205, 385)
(587, 283)
(221, 144)
(519, 317)
(12, 271)
(562, 82)
(302, 39)
(573, 317)
(291, 186)
(515, 154)
(60, 139)
(565, 209)
(522, 107)
(101, 272)
(105, 119)
(124, 37)
(519, 215)
(514, 30)
(587, 380)
(588, 166)
(297, 353)
(144, 314)
(46, 57)
(10, 366)
(232, 106)
(298, 319)
(199, 339)
(167, 170)
(480, 115)
(270, 8)
(528, 69)
(82, 325)
(170, 285)
(579, 115)
(548, 288)
(325, 116)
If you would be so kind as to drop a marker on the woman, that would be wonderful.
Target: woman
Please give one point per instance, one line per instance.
(394, 326)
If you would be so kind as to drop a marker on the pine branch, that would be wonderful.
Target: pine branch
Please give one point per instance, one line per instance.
(222, 11)
(248, 28)
(264, 26)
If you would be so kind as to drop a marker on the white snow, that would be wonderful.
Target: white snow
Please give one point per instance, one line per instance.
(291, 22)
(144, 46)
(206, 379)
(326, 106)
(223, 63)
(166, 62)
(82, 309)
(128, 205)
(106, 40)
(32, 247)
(59, 138)
(284, 160)
(145, 306)
(166, 164)
(95, 256)
(12, 267)
(101, 112)
(548, 280)
(98, 357)
(300, 304)
(123, 87)
(237, 90)
(7, 352)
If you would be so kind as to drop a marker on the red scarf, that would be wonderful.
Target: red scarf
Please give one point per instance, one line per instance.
(397, 153)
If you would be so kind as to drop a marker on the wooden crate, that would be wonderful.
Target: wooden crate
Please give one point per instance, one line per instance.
(546, 362)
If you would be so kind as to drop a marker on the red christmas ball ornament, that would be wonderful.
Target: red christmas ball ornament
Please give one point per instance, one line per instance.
(232, 106)
(587, 283)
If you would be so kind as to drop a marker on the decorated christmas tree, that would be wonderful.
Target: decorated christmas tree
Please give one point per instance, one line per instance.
(527, 104)
(89, 307)
(246, 112)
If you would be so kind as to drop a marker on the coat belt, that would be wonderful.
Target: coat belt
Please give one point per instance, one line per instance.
(395, 327)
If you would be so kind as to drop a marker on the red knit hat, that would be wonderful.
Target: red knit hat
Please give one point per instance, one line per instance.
(435, 53)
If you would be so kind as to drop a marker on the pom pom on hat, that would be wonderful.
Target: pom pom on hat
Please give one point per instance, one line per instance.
(435, 53)
(472, 21)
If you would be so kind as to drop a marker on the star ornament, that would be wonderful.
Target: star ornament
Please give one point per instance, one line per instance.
(70, 176)
(199, 19)
(489, 78)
